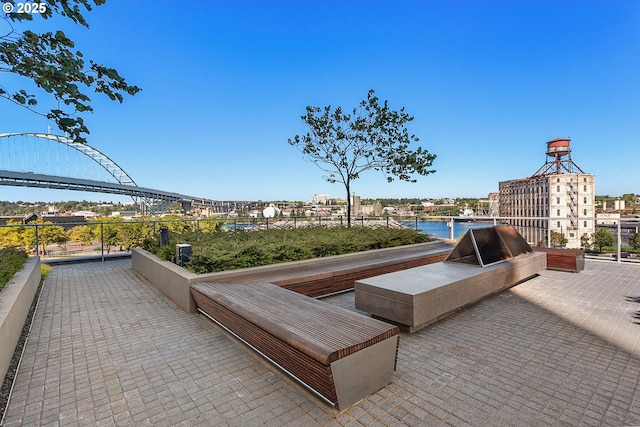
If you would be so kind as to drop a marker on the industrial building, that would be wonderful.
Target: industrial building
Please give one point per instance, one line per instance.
(559, 196)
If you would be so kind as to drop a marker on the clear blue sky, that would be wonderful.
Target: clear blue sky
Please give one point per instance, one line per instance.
(489, 82)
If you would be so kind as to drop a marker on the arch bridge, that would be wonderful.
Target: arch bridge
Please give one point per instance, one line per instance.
(57, 162)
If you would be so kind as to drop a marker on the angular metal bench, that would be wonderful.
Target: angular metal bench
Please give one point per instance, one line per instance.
(340, 355)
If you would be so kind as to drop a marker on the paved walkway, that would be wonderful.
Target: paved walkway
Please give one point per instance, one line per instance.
(108, 349)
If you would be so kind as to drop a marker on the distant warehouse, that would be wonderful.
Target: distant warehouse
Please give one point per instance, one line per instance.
(559, 197)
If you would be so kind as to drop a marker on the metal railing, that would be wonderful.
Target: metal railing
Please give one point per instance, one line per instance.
(36, 239)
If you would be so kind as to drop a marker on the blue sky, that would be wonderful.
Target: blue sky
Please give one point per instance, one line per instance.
(488, 82)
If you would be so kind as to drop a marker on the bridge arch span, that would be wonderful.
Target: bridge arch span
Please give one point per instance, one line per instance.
(153, 201)
(94, 154)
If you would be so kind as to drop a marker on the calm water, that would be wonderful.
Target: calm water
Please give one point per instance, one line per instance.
(440, 228)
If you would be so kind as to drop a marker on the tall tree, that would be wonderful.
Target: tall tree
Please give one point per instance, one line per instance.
(373, 136)
(558, 240)
(51, 61)
(602, 238)
(83, 234)
(50, 234)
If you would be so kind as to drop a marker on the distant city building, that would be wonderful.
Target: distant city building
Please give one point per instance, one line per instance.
(375, 209)
(431, 208)
(51, 211)
(123, 214)
(18, 219)
(494, 204)
(355, 205)
(560, 191)
(271, 211)
(607, 218)
(66, 221)
(321, 199)
(87, 214)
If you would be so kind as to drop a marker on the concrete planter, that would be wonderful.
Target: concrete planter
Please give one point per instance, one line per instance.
(167, 277)
(15, 301)
(175, 281)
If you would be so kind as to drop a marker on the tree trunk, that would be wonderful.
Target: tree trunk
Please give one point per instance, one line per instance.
(348, 188)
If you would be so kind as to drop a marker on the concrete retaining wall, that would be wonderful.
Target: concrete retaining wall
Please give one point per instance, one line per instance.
(167, 277)
(174, 281)
(15, 301)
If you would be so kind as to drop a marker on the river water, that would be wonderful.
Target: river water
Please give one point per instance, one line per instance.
(441, 228)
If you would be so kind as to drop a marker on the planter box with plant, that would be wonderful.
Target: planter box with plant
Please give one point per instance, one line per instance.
(20, 277)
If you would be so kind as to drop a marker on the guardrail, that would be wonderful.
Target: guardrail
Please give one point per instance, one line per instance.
(118, 237)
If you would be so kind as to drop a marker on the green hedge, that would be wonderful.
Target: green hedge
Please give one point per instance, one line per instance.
(11, 261)
(231, 250)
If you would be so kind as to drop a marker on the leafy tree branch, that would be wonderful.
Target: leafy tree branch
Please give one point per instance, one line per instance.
(51, 61)
(371, 137)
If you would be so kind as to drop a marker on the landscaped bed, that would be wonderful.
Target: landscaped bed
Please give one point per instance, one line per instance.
(222, 251)
(11, 261)
(20, 278)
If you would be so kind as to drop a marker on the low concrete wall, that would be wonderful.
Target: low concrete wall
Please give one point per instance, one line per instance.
(167, 277)
(174, 281)
(15, 301)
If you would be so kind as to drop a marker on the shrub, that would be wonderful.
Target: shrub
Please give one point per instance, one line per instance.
(220, 251)
(11, 261)
(45, 269)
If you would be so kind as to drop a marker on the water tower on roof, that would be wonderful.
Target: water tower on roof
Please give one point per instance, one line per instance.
(558, 159)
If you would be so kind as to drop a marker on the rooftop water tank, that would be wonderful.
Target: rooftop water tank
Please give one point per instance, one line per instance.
(558, 147)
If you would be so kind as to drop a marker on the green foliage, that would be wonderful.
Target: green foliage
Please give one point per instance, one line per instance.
(11, 261)
(372, 137)
(628, 198)
(127, 235)
(18, 236)
(133, 234)
(50, 234)
(558, 240)
(211, 226)
(45, 269)
(290, 252)
(82, 233)
(634, 242)
(239, 249)
(603, 238)
(21, 208)
(110, 235)
(51, 61)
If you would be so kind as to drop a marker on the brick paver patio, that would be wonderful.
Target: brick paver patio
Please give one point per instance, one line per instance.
(107, 348)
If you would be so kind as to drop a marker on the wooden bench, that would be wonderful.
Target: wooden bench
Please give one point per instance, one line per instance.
(325, 276)
(563, 259)
(340, 355)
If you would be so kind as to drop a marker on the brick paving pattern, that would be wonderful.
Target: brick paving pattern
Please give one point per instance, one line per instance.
(107, 348)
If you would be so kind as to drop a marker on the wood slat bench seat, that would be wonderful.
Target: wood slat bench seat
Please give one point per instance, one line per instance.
(341, 355)
(564, 259)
